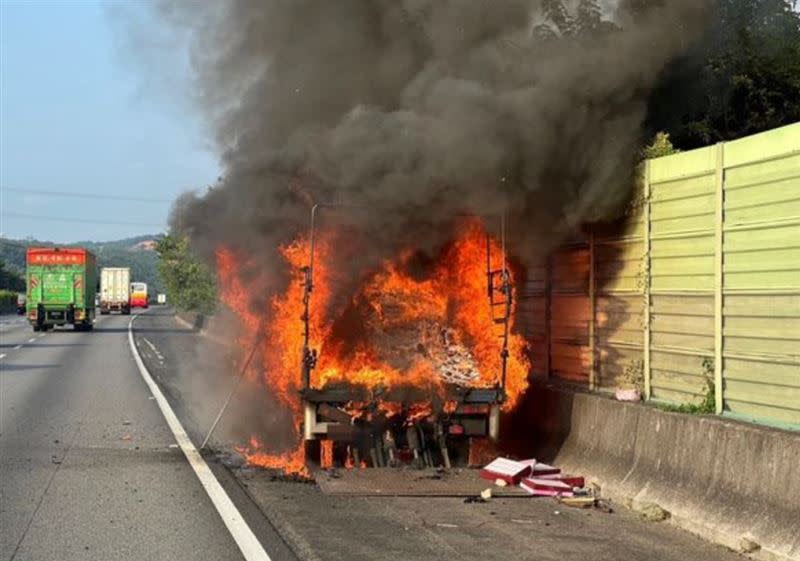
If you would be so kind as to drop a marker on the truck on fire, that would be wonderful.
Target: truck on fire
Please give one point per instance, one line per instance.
(115, 293)
(379, 426)
(62, 284)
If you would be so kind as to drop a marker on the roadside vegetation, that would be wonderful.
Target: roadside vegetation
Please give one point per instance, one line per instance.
(11, 283)
(707, 402)
(189, 283)
(8, 301)
(127, 252)
(10, 279)
(741, 78)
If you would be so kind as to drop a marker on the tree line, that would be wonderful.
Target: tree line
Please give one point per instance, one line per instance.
(740, 78)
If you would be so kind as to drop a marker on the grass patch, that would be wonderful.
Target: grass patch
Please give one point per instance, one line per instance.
(708, 404)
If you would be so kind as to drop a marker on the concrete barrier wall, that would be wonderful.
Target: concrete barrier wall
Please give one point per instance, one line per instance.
(197, 321)
(724, 480)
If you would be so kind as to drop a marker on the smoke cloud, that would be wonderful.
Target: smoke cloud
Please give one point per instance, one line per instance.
(419, 110)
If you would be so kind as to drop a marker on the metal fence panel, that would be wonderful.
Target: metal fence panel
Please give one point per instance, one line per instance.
(761, 284)
(700, 282)
(570, 312)
(681, 274)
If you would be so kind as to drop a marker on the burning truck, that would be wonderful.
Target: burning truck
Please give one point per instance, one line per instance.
(410, 361)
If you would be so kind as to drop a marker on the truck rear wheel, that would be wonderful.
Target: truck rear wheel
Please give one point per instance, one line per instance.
(36, 328)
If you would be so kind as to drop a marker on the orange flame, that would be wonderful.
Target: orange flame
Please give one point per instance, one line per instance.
(453, 292)
(326, 455)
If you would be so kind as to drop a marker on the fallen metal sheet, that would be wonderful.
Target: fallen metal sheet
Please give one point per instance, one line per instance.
(393, 482)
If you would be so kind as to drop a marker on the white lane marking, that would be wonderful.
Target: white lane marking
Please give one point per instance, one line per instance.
(155, 350)
(251, 548)
(2, 356)
(32, 339)
(18, 347)
(42, 335)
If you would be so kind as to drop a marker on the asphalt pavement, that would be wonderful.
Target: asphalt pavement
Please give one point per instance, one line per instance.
(89, 468)
(196, 372)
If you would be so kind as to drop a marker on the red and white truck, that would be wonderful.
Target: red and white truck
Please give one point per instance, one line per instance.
(139, 298)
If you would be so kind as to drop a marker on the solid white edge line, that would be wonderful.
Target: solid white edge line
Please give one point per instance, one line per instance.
(251, 548)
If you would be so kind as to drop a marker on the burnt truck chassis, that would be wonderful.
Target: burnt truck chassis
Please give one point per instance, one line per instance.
(440, 439)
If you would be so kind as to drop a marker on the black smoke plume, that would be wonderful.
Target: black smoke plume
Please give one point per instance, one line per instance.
(419, 110)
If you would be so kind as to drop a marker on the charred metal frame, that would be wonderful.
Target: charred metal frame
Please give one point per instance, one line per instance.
(500, 293)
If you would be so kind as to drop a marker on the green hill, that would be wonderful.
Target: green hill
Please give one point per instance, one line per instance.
(135, 253)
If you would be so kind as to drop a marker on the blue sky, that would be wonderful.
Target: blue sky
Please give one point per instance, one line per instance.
(76, 116)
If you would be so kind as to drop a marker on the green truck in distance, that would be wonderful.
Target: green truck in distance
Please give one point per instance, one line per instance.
(62, 286)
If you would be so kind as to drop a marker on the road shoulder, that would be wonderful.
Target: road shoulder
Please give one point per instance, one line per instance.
(317, 526)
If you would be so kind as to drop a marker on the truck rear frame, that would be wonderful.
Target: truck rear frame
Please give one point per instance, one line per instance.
(61, 288)
(477, 409)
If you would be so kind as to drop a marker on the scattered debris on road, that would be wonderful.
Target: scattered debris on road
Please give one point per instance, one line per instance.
(508, 477)
(506, 470)
(475, 499)
(652, 512)
(543, 480)
(747, 545)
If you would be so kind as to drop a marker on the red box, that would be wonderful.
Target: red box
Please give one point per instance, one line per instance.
(509, 471)
(571, 480)
(538, 469)
(539, 487)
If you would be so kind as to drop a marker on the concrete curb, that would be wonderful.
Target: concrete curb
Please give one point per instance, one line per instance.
(293, 540)
(730, 482)
(197, 323)
(185, 323)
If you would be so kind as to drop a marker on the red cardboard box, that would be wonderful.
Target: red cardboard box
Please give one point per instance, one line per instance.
(571, 480)
(539, 487)
(539, 469)
(509, 471)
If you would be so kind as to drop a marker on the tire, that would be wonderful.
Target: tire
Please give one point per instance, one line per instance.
(89, 326)
(102, 313)
(37, 328)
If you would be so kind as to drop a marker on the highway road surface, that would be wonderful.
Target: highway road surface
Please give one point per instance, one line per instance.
(97, 463)
(89, 468)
